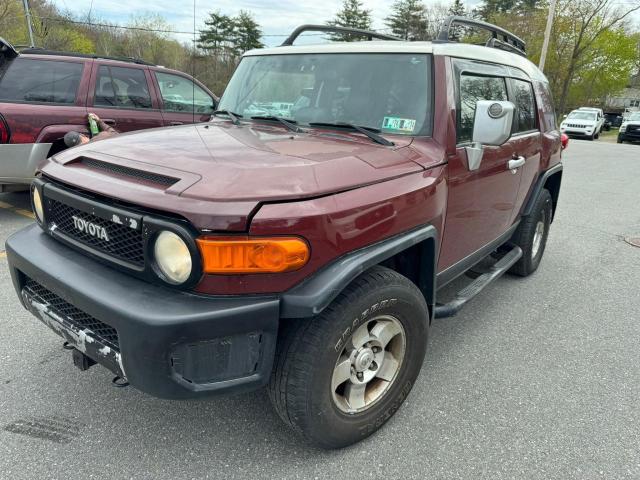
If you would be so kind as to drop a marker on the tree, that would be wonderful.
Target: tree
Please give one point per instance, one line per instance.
(489, 8)
(457, 8)
(215, 37)
(408, 20)
(352, 15)
(247, 33)
(435, 14)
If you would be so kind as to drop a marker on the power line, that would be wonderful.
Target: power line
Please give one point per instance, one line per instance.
(158, 30)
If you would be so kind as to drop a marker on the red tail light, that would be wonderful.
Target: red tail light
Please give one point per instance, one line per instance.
(5, 134)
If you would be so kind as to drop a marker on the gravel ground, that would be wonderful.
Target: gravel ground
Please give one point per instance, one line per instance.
(537, 378)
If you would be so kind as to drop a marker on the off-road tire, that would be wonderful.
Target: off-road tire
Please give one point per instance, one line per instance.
(620, 140)
(526, 232)
(300, 388)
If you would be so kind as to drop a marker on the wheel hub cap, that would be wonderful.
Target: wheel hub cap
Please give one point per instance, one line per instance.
(363, 360)
(369, 363)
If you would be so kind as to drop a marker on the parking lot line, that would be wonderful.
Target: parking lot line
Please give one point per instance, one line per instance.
(19, 211)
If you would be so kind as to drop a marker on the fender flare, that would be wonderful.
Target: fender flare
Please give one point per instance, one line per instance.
(539, 186)
(314, 294)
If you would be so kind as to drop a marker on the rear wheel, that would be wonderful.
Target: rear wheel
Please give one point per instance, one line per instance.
(340, 376)
(531, 235)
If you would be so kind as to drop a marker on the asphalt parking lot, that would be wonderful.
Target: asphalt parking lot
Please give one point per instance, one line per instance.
(536, 378)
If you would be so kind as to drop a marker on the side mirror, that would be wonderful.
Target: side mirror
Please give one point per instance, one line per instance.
(564, 116)
(492, 126)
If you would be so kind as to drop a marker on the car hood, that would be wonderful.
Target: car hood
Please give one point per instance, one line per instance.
(235, 167)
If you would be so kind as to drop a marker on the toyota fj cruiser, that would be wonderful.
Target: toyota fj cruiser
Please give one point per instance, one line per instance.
(299, 238)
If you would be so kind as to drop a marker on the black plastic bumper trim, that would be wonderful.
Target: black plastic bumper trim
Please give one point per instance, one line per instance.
(151, 320)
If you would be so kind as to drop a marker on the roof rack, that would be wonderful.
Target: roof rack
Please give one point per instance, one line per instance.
(500, 38)
(331, 29)
(42, 51)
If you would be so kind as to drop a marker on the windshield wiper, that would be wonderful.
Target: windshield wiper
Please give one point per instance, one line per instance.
(370, 132)
(289, 123)
(233, 116)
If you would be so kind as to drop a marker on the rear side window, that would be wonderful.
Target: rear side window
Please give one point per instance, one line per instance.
(40, 81)
(525, 106)
(474, 88)
(122, 87)
(546, 104)
(179, 94)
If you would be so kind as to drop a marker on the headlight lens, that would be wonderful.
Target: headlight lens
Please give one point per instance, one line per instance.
(36, 200)
(623, 127)
(173, 257)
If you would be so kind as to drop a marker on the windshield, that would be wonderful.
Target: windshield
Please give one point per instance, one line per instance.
(582, 115)
(634, 117)
(389, 92)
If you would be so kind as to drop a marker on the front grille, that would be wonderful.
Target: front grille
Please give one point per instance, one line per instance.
(83, 321)
(130, 172)
(575, 125)
(124, 243)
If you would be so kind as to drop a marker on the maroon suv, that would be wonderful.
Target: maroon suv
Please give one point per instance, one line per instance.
(45, 94)
(299, 239)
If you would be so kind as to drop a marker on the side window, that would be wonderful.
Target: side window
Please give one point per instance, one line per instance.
(474, 88)
(40, 81)
(179, 94)
(122, 87)
(525, 106)
(546, 103)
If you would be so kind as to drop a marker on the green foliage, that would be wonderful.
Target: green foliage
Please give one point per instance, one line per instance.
(247, 33)
(229, 37)
(408, 19)
(352, 15)
(592, 53)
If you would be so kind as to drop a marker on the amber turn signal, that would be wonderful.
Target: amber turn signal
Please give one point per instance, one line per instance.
(231, 255)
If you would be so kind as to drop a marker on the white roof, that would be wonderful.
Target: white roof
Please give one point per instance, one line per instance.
(459, 50)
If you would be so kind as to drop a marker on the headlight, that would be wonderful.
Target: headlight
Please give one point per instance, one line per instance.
(173, 257)
(36, 201)
(623, 127)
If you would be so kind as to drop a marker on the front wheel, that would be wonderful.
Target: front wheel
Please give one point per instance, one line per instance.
(531, 235)
(340, 376)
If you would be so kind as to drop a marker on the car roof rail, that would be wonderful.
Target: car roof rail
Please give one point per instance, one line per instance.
(335, 29)
(42, 51)
(500, 38)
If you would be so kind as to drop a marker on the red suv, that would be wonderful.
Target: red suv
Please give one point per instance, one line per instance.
(303, 237)
(45, 94)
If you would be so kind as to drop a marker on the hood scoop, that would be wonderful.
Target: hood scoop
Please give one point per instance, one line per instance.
(132, 173)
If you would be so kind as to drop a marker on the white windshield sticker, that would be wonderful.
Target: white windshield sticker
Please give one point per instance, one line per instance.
(399, 124)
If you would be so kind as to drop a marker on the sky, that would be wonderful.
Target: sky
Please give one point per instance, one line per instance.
(277, 17)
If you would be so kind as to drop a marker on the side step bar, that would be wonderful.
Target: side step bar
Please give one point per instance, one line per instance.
(467, 293)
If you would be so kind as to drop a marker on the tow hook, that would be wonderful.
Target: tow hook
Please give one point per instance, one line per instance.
(81, 361)
(119, 382)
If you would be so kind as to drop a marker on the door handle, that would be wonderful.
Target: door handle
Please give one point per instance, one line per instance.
(515, 163)
(109, 121)
(173, 124)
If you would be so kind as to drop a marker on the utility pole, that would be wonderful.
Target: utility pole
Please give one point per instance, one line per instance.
(547, 34)
(28, 15)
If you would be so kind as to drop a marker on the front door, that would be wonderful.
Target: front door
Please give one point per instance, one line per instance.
(183, 101)
(480, 202)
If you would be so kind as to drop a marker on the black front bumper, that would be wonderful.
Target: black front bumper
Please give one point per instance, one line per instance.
(168, 343)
